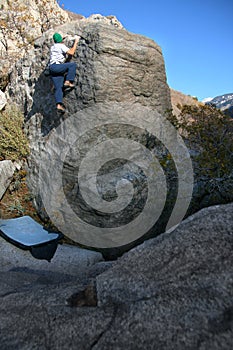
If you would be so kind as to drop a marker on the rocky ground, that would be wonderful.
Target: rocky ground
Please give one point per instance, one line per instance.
(172, 292)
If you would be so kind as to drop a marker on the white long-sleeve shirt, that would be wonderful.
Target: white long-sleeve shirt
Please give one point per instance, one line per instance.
(58, 53)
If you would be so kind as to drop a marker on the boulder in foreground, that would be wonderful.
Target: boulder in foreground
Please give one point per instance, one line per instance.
(172, 292)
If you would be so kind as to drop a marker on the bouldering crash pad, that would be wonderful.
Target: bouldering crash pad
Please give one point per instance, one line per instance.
(27, 234)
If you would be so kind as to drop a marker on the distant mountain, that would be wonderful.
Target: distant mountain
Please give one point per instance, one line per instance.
(223, 102)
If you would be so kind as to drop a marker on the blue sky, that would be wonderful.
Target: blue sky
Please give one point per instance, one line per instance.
(196, 37)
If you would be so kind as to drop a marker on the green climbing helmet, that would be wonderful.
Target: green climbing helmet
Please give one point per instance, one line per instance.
(57, 38)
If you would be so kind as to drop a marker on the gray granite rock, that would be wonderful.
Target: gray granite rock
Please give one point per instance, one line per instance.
(172, 292)
(7, 169)
(68, 259)
(120, 79)
(22, 23)
(112, 65)
(175, 291)
(3, 100)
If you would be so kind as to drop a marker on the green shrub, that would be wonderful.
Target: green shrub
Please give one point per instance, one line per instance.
(209, 133)
(13, 141)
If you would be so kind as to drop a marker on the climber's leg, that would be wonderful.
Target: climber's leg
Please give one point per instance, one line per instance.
(57, 74)
(58, 69)
(69, 67)
(71, 71)
(58, 81)
(58, 84)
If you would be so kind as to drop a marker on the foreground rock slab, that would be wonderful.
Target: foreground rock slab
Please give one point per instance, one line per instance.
(172, 292)
(175, 291)
(69, 260)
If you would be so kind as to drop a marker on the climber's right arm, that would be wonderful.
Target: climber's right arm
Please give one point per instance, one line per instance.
(73, 49)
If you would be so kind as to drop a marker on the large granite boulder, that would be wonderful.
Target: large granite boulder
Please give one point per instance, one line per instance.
(114, 138)
(175, 291)
(172, 292)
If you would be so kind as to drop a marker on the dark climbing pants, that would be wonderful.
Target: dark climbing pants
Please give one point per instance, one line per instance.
(57, 73)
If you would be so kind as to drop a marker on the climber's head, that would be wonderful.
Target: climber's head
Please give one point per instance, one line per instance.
(57, 38)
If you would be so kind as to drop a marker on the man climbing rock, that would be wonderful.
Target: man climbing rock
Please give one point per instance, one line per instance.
(59, 65)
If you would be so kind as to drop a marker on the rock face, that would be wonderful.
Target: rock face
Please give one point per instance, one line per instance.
(120, 86)
(20, 24)
(113, 65)
(172, 292)
(2, 100)
(7, 169)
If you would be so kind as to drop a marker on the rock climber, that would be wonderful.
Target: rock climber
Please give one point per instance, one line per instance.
(59, 64)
